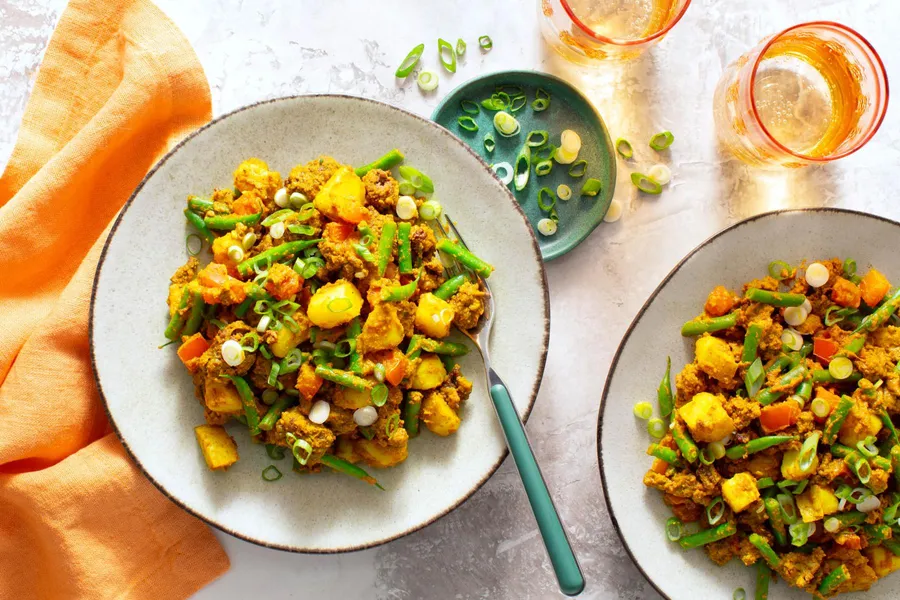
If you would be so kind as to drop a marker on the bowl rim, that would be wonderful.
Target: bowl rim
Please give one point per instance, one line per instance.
(209, 520)
(610, 144)
(615, 361)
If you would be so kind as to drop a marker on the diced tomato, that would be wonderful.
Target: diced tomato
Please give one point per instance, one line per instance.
(873, 287)
(213, 275)
(659, 466)
(192, 348)
(283, 281)
(778, 416)
(308, 383)
(338, 232)
(845, 293)
(719, 302)
(825, 348)
(395, 363)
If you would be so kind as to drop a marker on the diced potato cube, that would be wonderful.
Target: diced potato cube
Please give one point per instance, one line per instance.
(377, 454)
(860, 424)
(438, 416)
(882, 560)
(221, 396)
(815, 503)
(715, 358)
(790, 466)
(430, 373)
(383, 329)
(342, 198)
(288, 340)
(740, 491)
(706, 418)
(219, 449)
(334, 304)
(351, 399)
(434, 316)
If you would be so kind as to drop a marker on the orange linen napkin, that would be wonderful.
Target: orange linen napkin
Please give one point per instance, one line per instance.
(118, 86)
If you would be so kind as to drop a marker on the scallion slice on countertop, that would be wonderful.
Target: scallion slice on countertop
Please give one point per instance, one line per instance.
(660, 173)
(485, 42)
(623, 147)
(447, 55)
(460, 47)
(409, 63)
(427, 80)
(662, 140)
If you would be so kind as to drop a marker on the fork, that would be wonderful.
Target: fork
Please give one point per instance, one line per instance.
(565, 565)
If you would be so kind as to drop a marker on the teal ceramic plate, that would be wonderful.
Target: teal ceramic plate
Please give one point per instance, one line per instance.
(569, 109)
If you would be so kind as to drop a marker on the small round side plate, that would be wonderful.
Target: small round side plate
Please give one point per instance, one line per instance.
(569, 109)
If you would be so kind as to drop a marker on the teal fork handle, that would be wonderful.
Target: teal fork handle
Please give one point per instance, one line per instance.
(565, 565)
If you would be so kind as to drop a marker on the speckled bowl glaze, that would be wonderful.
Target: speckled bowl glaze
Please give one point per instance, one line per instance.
(149, 396)
(736, 255)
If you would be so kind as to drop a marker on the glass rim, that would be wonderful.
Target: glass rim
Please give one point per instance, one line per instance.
(624, 43)
(878, 64)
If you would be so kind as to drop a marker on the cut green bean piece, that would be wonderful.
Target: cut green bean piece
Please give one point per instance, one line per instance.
(229, 222)
(176, 322)
(765, 549)
(833, 580)
(783, 299)
(450, 287)
(757, 445)
(200, 225)
(248, 402)
(274, 412)
(274, 255)
(836, 419)
(704, 325)
(708, 536)
(664, 395)
(465, 257)
(443, 347)
(385, 163)
(665, 454)
(411, 416)
(196, 315)
(386, 245)
(342, 466)
(685, 444)
(344, 378)
(404, 249)
(763, 577)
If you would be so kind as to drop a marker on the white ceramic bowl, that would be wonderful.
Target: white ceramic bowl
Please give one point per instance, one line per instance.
(149, 395)
(734, 256)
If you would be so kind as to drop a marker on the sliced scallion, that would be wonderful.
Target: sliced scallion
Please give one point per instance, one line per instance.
(522, 169)
(489, 142)
(504, 171)
(543, 167)
(542, 135)
(591, 187)
(470, 107)
(379, 394)
(409, 63)
(485, 42)
(543, 205)
(271, 473)
(419, 179)
(643, 410)
(779, 269)
(194, 244)
(460, 47)
(578, 169)
(518, 103)
(623, 147)
(661, 141)
(645, 184)
(506, 124)
(563, 192)
(427, 80)
(541, 100)
(674, 529)
(656, 428)
(447, 55)
(468, 123)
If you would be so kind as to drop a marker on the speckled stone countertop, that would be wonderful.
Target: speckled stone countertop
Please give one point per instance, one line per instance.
(490, 547)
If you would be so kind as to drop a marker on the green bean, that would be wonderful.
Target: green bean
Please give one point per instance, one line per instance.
(763, 576)
(666, 454)
(664, 395)
(854, 345)
(824, 376)
(806, 349)
(344, 378)
(765, 482)
(751, 343)
(274, 412)
(248, 401)
(414, 349)
(836, 419)
(765, 549)
(893, 546)
(848, 519)
(465, 257)
(199, 225)
(274, 255)
(196, 316)
(399, 293)
(776, 521)
(895, 464)
(851, 455)
(385, 163)
(889, 426)
(198, 204)
(833, 580)
(355, 360)
(342, 466)
(879, 532)
(779, 364)
(411, 416)
(229, 222)
(688, 448)
(386, 245)
(774, 298)
(757, 445)
(450, 287)
(404, 249)
(700, 326)
(176, 322)
(708, 536)
(789, 380)
(441, 347)
(881, 314)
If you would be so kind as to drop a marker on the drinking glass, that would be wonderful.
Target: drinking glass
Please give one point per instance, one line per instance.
(810, 94)
(586, 31)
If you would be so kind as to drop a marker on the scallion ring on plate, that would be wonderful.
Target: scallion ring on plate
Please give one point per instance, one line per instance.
(867, 447)
(542, 136)
(849, 268)
(489, 142)
(379, 394)
(409, 63)
(545, 206)
(517, 103)
(419, 179)
(614, 212)
(469, 107)
(643, 410)
(563, 192)
(645, 184)
(460, 47)
(485, 42)
(194, 244)
(779, 269)
(466, 122)
(447, 55)
(547, 227)
(430, 210)
(662, 140)
(674, 529)
(578, 168)
(570, 142)
(274, 372)
(271, 473)
(427, 81)
(739, 594)
(406, 188)
(300, 448)
(656, 428)
(504, 171)
(392, 424)
(506, 124)
(623, 147)
(522, 168)
(543, 167)
(660, 173)
(715, 510)
(545, 152)
(541, 100)
(591, 187)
